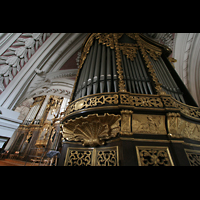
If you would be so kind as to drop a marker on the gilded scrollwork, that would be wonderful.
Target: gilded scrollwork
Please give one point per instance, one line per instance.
(190, 111)
(105, 39)
(92, 101)
(92, 130)
(141, 101)
(106, 156)
(130, 50)
(79, 158)
(152, 50)
(154, 156)
(121, 83)
(86, 50)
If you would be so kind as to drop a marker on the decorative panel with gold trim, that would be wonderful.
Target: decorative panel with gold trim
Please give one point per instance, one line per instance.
(154, 156)
(148, 124)
(193, 157)
(106, 156)
(179, 127)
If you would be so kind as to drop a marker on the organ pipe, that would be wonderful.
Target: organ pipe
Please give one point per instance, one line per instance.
(103, 68)
(99, 72)
(114, 71)
(108, 70)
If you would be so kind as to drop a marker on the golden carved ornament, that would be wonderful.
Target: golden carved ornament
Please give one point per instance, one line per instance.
(180, 128)
(121, 83)
(172, 123)
(104, 156)
(92, 130)
(130, 50)
(148, 124)
(44, 134)
(92, 101)
(105, 39)
(135, 100)
(147, 48)
(172, 61)
(190, 111)
(154, 156)
(86, 50)
(141, 100)
(126, 122)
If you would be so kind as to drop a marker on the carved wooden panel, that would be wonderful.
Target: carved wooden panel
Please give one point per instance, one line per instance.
(148, 124)
(154, 156)
(193, 157)
(107, 156)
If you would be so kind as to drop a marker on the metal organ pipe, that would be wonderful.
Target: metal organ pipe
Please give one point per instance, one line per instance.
(114, 70)
(160, 74)
(87, 72)
(145, 74)
(169, 83)
(135, 76)
(99, 73)
(131, 75)
(108, 70)
(97, 70)
(79, 87)
(102, 73)
(126, 74)
(91, 71)
(175, 87)
(141, 74)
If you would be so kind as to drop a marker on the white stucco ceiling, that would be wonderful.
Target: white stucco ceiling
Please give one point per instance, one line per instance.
(59, 47)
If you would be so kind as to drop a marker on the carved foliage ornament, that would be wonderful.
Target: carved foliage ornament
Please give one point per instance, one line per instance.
(92, 130)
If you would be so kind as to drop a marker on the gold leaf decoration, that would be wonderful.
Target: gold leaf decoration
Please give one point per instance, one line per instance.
(93, 129)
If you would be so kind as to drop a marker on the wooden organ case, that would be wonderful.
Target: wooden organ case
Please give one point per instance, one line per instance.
(129, 107)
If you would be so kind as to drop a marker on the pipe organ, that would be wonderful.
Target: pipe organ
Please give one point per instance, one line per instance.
(129, 107)
(40, 131)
